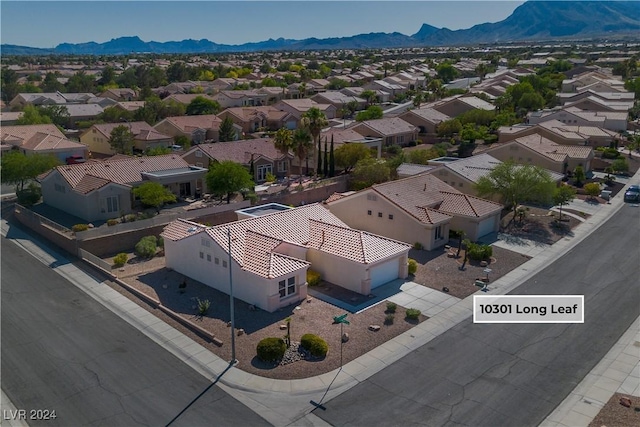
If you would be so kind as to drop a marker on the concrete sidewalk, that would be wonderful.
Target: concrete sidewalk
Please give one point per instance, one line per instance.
(289, 402)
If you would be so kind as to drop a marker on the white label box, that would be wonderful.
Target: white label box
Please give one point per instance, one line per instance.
(528, 309)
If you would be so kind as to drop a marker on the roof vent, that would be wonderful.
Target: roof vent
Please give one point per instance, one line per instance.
(192, 229)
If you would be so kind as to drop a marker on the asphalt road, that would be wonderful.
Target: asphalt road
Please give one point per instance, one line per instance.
(511, 374)
(63, 351)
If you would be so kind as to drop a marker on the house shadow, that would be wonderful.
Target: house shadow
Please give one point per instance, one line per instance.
(166, 284)
(354, 302)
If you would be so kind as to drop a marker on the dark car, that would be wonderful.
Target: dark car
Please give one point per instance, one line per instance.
(632, 194)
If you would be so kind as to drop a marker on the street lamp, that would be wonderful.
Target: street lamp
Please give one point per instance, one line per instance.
(233, 323)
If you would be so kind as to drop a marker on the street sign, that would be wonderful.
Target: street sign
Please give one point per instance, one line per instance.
(341, 319)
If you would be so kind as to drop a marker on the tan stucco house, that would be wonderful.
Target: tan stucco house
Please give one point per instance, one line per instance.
(270, 255)
(144, 137)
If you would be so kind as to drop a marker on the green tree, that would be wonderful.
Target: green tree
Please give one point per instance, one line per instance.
(58, 114)
(201, 105)
(154, 194)
(620, 165)
(579, 176)
(592, 189)
(227, 130)
(226, 178)
(18, 168)
(332, 160)
(371, 113)
(121, 140)
(157, 151)
(33, 116)
(301, 145)
(370, 96)
(517, 184)
(348, 155)
(81, 82)
(115, 115)
(51, 83)
(283, 142)
(446, 72)
(562, 195)
(314, 120)
(422, 156)
(326, 159)
(531, 101)
(370, 171)
(449, 127)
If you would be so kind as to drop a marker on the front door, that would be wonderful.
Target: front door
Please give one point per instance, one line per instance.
(185, 189)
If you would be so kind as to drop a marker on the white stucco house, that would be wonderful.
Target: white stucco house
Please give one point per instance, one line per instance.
(270, 255)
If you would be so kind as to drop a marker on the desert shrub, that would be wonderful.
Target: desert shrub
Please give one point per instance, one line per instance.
(160, 242)
(146, 247)
(394, 149)
(80, 227)
(620, 165)
(120, 259)
(610, 153)
(592, 189)
(313, 277)
(203, 306)
(413, 266)
(388, 320)
(391, 307)
(314, 344)
(271, 349)
(412, 313)
(417, 246)
(30, 195)
(111, 222)
(130, 218)
(479, 252)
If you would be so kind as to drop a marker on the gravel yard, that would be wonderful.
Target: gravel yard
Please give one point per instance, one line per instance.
(614, 414)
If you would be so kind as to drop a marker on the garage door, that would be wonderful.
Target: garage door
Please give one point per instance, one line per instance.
(384, 273)
(485, 227)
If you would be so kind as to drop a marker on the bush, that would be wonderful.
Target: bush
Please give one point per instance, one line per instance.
(146, 247)
(391, 307)
(80, 227)
(413, 266)
(111, 222)
(271, 349)
(418, 246)
(479, 252)
(620, 165)
(394, 149)
(29, 196)
(130, 218)
(412, 313)
(315, 345)
(120, 259)
(160, 242)
(592, 189)
(203, 306)
(313, 278)
(610, 153)
(388, 320)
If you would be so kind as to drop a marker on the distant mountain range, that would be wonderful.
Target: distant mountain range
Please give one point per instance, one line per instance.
(532, 21)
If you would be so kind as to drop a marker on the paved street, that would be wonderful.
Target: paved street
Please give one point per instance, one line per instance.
(63, 351)
(510, 374)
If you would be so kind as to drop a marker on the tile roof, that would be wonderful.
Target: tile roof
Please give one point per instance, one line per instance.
(205, 121)
(46, 142)
(429, 114)
(553, 151)
(181, 228)
(431, 201)
(474, 167)
(26, 132)
(106, 128)
(388, 126)
(240, 151)
(413, 169)
(340, 136)
(338, 97)
(82, 110)
(124, 171)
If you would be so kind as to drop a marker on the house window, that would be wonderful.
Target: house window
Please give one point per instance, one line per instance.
(60, 188)
(389, 140)
(372, 197)
(379, 214)
(287, 287)
(224, 263)
(198, 153)
(390, 216)
(112, 204)
(439, 232)
(209, 257)
(368, 212)
(217, 261)
(282, 166)
(459, 184)
(199, 164)
(262, 171)
(453, 183)
(400, 139)
(205, 242)
(201, 255)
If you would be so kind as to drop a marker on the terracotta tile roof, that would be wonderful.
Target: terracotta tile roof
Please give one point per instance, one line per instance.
(334, 197)
(240, 151)
(260, 257)
(151, 135)
(551, 150)
(26, 132)
(464, 204)
(474, 167)
(430, 200)
(88, 183)
(181, 228)
(106, 128)
(388, 126)
(122, 171)
(355, 245)
(46, 142)
(340, 136)
(206, 121)
(429, 114)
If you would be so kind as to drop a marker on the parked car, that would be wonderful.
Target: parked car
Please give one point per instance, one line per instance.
(632, 194)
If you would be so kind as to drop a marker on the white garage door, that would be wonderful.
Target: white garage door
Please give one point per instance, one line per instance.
(485, 227)
(384, 273)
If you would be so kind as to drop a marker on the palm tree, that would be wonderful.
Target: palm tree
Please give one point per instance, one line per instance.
(283, 142)
(314, 120)
(301, 144)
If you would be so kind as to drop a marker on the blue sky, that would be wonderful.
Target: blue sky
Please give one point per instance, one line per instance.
(47, 23)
